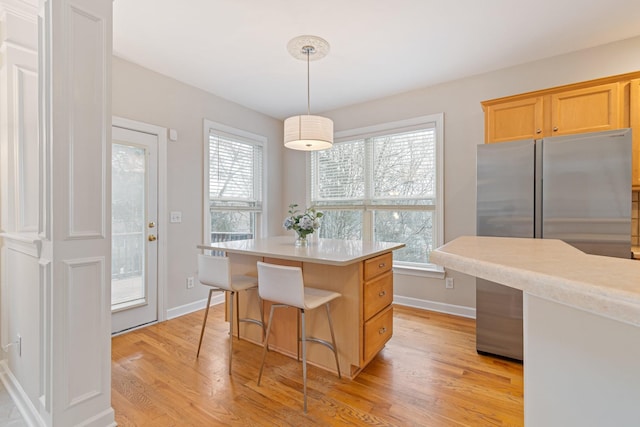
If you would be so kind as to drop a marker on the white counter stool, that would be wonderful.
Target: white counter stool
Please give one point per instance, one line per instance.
(215, 271)
(284, 287)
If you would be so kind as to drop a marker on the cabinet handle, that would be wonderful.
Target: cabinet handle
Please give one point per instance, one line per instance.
(538, 130)
(382, 330)
(555, 129)
(382, 293)
(381, 265)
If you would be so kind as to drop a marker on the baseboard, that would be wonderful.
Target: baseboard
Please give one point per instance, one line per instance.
(20, 399)
(104, 419)
(456, 310)
(172, 313)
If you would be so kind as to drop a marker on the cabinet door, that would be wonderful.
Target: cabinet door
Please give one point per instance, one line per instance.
(589, 109)
(634, 111)
(514, 120)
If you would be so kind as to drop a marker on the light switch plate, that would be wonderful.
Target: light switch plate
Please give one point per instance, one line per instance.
(175, 216)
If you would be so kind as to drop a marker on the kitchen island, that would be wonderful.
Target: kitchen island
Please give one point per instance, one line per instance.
(581, 325)
(362, 316)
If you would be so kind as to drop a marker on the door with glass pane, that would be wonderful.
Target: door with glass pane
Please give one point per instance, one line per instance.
(134, 230)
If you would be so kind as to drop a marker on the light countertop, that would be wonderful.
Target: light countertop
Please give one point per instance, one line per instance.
(550, 269)
(321, 251)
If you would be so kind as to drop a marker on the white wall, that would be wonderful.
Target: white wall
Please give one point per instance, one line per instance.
(463, 117)
(146, 96)
(143, 95)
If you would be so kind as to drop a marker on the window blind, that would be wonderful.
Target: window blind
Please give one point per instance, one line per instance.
(235, 173)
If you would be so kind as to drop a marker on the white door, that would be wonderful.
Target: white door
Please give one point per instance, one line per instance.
(134, 229)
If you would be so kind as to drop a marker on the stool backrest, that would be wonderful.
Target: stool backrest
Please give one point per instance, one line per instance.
(214, 271)
(281, 284)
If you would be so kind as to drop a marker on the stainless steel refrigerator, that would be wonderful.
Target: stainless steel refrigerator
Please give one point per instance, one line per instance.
(574, 188)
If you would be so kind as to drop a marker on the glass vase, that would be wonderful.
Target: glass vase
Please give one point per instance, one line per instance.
(301, 241)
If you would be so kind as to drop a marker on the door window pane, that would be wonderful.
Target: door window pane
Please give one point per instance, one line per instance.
(128, 225)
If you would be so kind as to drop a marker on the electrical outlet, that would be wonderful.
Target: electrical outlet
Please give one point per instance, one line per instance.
(190, 282)
(448, 283)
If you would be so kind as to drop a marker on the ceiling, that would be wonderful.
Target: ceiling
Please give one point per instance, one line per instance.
(237, 49)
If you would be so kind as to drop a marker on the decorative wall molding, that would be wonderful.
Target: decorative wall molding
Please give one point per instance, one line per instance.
(25, 132)
(87, 162)
(19, 397)
(27, 10)
(85, 289)
(27, 243)
(75, 199)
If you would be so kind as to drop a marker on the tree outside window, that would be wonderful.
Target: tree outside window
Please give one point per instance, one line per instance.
(383, 184)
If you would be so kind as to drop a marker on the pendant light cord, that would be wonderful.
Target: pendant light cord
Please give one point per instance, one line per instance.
(308, 50)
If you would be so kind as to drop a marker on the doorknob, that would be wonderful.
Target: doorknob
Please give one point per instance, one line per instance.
(152, 224)
(152, 238)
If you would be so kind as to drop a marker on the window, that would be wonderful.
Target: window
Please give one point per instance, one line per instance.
(233, 183)
(384, 183)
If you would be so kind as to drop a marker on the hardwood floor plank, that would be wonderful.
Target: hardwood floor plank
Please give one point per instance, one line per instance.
(429, 374)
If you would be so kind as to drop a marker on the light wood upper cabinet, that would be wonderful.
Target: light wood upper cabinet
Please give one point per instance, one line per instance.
(514, 120)
(634, 123)
(596, 105)
(590, 109)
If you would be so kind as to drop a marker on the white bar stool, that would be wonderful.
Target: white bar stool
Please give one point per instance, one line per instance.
(215, 271)
(284, 287)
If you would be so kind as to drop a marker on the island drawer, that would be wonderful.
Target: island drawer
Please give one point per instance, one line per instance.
(377, 265)
(377, 332)
(378, 293)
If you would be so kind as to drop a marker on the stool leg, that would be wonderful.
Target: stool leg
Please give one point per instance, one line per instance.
(298, 335)
(265, 345)
(204, 321)
(231, 331)
(237, 314)
(260, 305)
(304, 359)
(333, 339)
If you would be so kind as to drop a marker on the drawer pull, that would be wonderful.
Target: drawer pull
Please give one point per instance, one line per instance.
(381, 265)
(382, 330)
(382, 293)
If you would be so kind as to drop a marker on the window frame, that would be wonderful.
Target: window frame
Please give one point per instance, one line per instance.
(435, 121)
(246, 137)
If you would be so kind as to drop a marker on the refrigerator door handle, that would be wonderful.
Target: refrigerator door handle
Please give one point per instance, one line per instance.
(537, 201)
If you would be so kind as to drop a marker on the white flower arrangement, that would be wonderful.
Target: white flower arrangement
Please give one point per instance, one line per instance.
(303, 223)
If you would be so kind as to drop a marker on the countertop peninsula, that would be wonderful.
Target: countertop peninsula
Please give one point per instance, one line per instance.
(550, 269)
(581, 326)
(321, 251)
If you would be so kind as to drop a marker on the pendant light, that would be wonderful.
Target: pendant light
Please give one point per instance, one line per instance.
(308, 132)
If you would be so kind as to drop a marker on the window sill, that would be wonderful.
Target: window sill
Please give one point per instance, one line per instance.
(432, 271)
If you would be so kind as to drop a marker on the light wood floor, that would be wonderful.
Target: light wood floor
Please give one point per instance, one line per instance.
(429, 374)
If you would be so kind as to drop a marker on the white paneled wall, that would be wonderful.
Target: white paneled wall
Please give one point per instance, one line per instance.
(55, 203)
(20, 291)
